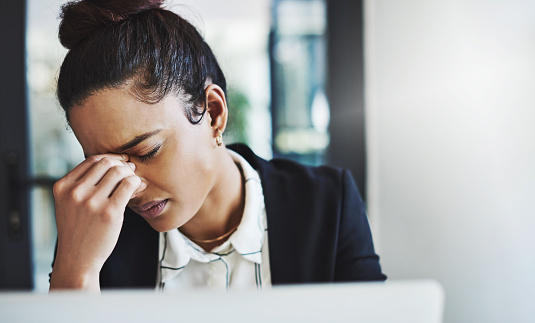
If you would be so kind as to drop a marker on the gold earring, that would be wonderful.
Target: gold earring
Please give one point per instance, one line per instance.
(219, 138)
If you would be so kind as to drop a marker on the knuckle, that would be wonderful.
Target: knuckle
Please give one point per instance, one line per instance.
(114, 171)
(91, 204)
(58, 187)
(131, 181)
(108, 214)
(93, 159)
(118, 171)
(108, 162)
(77, 194)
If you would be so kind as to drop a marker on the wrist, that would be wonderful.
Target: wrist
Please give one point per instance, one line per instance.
(63, 278)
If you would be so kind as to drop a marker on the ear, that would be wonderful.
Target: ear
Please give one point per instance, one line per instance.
(216, 108)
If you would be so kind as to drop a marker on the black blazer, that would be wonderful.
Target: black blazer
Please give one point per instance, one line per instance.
(317, 228)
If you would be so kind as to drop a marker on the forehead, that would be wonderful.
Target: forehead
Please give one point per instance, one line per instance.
(110, 118)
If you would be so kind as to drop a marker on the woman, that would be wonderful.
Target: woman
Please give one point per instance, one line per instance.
(159, 199)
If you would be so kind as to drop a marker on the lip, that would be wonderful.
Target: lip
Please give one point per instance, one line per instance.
(151, 209)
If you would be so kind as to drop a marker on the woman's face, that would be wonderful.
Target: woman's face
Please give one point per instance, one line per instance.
(174, 158)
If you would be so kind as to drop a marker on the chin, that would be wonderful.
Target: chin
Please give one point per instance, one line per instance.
(165, 223)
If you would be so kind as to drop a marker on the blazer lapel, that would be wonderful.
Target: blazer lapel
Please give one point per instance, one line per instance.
(278, 201)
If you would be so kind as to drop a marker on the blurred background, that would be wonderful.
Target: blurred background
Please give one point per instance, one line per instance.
(429, 103)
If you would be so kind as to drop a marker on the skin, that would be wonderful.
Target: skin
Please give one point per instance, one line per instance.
(199, 180)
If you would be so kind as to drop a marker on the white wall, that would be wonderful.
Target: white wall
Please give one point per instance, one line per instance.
(450, 104)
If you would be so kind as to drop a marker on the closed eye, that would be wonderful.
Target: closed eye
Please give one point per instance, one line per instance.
(150, 154)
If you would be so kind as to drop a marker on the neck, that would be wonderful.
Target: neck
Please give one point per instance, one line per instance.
(222, 209)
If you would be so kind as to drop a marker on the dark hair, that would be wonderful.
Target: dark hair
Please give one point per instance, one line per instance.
(137, 43)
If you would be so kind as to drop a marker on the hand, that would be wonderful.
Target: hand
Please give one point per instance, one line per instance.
(90, 203)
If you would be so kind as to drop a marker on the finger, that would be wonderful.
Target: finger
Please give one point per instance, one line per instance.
(139, 189)
(124, 191)
(111, 180)
(95, 174)
(82, 168)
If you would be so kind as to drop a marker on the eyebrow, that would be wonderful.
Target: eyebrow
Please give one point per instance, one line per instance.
(137, 140)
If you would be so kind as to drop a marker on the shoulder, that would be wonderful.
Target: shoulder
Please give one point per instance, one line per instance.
(317, 226)
(303, 191)
(288, 172)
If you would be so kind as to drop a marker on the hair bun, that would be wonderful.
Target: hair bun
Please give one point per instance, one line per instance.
(79, 19)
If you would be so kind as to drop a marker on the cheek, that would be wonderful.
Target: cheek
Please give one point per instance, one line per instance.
(184, 169)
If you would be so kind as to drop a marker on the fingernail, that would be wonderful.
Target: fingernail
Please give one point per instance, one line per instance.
(125, 156)
(132, 165)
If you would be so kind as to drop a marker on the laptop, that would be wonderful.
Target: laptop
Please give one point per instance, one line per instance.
(392, 301)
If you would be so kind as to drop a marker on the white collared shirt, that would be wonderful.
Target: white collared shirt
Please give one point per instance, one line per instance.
(241, 262)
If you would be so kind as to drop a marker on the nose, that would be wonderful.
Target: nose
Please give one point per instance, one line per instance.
(139, 172)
